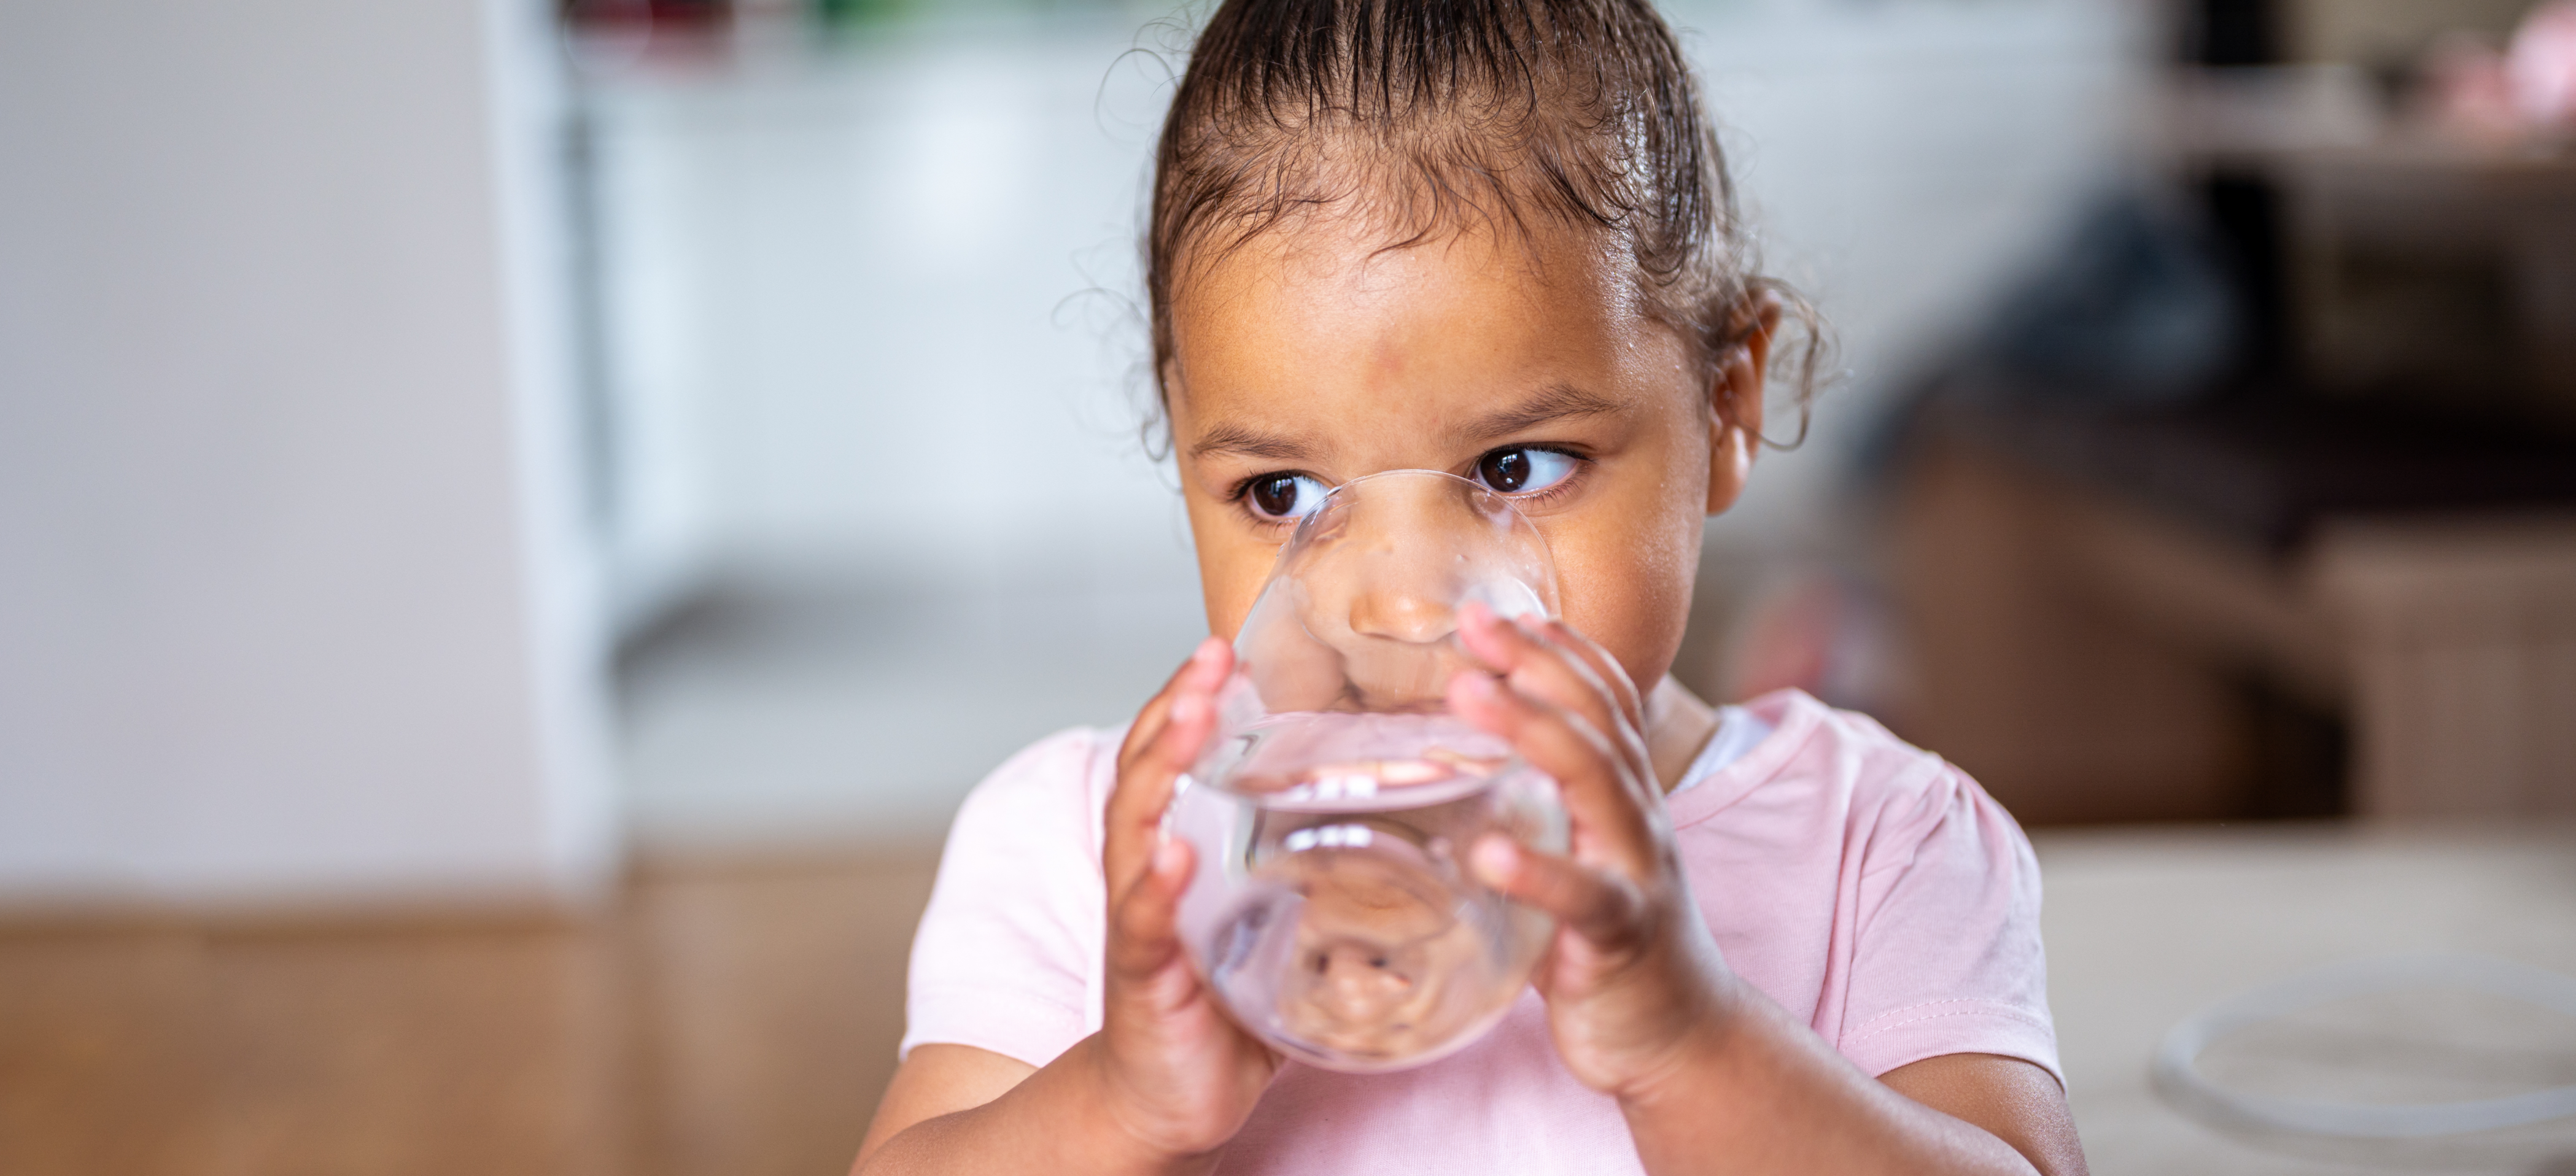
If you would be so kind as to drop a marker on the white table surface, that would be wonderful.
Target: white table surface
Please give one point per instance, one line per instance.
(2147, 927)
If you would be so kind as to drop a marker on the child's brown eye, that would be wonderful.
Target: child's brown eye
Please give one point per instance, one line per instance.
(1286, 496)
(1515, 471)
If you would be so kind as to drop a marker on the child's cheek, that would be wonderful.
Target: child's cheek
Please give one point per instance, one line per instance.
(1633, 607)
(1625, 567)
(1231, 572)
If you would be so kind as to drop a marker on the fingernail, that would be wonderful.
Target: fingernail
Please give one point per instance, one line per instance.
(1188, 708)
(1207, 651)
(1477, 685)
(1495, 859)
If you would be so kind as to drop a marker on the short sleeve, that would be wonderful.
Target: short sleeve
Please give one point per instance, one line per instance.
(1947, 956)
(1008, 951)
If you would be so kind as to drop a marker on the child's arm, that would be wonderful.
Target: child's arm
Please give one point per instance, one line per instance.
(1711, 1074)
(1168, 1079)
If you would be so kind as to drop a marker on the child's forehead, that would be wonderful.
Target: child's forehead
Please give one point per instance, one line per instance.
(1332, 340)
(1357, 242)
(1355, 277)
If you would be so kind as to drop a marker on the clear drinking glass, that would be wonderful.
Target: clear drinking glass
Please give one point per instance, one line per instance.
(1332, 911)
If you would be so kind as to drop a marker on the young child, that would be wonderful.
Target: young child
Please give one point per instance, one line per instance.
(1495, 238)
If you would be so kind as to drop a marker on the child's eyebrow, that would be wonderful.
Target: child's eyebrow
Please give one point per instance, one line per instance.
(1233, 438)
(1555, 402)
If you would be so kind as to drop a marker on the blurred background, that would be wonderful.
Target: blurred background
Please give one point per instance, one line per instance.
(519, 525)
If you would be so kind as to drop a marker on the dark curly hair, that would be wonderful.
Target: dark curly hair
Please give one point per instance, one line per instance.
(1437, 114)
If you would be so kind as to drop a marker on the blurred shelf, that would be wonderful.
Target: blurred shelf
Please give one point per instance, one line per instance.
(2095, 593)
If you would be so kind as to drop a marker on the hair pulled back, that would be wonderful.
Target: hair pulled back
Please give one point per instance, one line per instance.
(1434, 115)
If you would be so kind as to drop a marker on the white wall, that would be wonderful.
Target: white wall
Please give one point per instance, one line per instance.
(870, 310)
(292, 608)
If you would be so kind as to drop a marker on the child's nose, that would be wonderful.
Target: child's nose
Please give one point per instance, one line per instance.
(1358, 983)
(1409, 613)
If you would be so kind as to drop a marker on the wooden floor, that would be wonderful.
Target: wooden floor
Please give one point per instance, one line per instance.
(733, 1018)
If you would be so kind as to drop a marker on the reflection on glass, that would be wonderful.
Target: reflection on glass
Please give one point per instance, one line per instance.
(1332, 912)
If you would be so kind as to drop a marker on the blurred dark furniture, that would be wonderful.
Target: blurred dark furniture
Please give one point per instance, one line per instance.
(2337, 576)
(2267, 607)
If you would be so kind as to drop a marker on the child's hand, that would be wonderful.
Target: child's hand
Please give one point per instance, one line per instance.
(1177, 1076)
(1634, 984)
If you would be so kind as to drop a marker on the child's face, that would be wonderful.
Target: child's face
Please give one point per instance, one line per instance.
(1315, 355)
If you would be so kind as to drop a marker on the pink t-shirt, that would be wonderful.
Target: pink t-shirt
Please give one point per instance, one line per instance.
(1871, 889)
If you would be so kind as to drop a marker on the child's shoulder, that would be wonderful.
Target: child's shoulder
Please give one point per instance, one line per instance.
(1070, 758)
(1051, 791)
(1851, 761)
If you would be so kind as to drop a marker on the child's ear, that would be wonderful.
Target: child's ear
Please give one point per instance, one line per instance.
(1735, 402)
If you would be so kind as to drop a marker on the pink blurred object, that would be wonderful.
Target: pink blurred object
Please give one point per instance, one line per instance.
(1818, 631)
(2531, 84)
(2540, 69)
(2469, 91)
(1786, 639)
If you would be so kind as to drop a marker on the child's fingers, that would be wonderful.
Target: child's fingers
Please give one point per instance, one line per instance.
(1535, 667)
(1133, 818)
(1181, 718)
(1612, 675)
(1557, 674)
(1208, 663)
(1598, 796)
(1600, 907)
(1143, 923)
